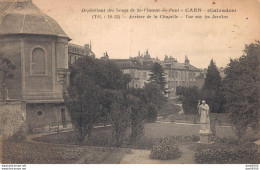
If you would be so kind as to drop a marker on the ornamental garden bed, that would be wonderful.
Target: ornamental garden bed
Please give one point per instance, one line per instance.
(103, 138)
(40, 153)
(227, 151)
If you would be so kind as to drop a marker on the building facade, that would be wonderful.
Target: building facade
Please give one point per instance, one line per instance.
(176, 74)
(77, 51)
(179, 74)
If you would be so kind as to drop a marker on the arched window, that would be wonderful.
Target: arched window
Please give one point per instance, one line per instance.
(38, 62)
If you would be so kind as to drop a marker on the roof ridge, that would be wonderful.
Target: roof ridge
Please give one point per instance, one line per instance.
(25, 15)
(46, 20)
(7, 11)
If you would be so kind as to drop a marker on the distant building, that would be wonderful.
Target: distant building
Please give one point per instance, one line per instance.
(176, 74)
(179, 74)
(77, 51)
(140, 73)
(105, 57)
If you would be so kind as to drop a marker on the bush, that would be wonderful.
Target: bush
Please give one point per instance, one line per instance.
(165, 150)
(242, 154)
(169, 108)
(189, 97)
(151, 113)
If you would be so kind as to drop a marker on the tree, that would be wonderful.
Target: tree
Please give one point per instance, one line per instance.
(83, 104)
(211, 90)
(151, 98)
(189, 97)
(126, 80)
(153, 94)
(241, 89)
(91, 83)
(151, 113)
(157, 75)
(137, 115)
(119, 118)
(6, 72)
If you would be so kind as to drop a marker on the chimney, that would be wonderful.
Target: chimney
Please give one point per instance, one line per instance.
(187, 61)
(87, 46)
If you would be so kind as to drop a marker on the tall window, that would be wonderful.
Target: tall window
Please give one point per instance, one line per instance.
(38, 62)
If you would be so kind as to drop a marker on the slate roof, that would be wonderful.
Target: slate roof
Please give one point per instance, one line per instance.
(24, 17)
(80, 50)
(147, 65)
(126, 63)
(180, 66)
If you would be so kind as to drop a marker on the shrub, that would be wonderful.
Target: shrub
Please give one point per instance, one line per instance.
(169, 108)
(165, 150)
(151, 113)
(189, 97)
(245, 154)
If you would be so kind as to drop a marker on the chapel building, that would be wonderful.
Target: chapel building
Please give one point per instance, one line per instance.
(38, 47)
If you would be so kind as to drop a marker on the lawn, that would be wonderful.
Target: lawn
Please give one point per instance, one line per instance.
(170, 113)
(100, 146)
(153, 132)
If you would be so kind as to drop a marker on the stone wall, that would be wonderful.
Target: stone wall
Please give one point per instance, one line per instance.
(12, 119)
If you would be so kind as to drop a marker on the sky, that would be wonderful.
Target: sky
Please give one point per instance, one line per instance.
(200, 39)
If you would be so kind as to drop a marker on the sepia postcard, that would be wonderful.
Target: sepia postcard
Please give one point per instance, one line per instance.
(129, 82)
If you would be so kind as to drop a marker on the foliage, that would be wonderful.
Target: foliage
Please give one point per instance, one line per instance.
(169, 108)
(119, 118)
(89, 93)
(137, 115)
(211, 90)
(241, 89)
(6, 72)
(226, 155)
(189, 97)
(165, 149)
(99, 89)
(12, 124)
(84, 105)
(157, 75)
(35, 153)
(151, 113)
(126, 79)
(151, 96)
(154, 95)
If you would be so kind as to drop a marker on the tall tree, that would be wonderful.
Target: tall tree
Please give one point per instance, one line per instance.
(83, 103)
(137, 111)
(6, 72)
(241, 89)
(119, 117)
(211, 90)
(92, 83)
(189, 97)
(157, 75)
(152, 99)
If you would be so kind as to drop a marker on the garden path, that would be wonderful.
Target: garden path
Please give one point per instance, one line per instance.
(142, 157)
